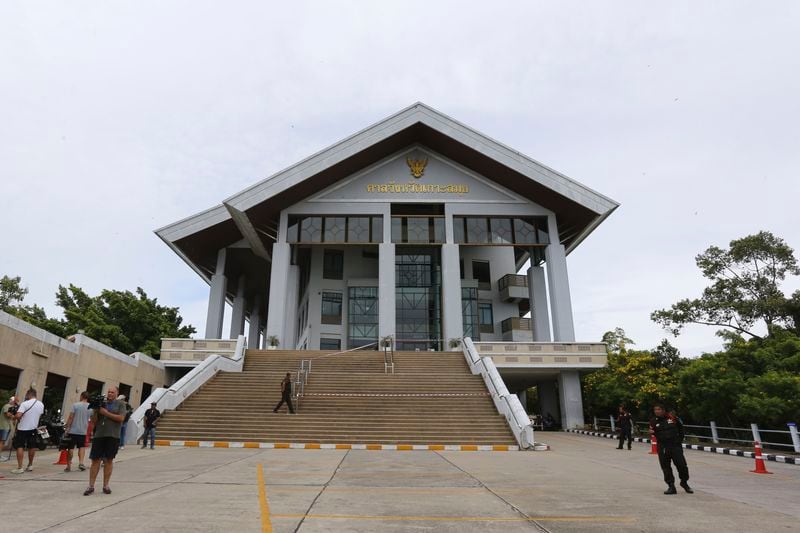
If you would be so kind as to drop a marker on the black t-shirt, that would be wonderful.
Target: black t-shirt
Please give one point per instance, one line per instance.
(150, 417)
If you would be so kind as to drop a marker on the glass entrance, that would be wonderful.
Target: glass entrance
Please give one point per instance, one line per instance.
(418, 286)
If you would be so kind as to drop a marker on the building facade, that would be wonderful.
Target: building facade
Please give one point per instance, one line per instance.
(417, 229)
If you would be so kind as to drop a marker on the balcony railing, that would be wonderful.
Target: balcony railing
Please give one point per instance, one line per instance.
(192, 351)
(512, 280)
(515, 324)
(544, 354)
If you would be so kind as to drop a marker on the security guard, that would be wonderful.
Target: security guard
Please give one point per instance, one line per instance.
(668, 431)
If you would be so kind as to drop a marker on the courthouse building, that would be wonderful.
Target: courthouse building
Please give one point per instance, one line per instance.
(418, 229)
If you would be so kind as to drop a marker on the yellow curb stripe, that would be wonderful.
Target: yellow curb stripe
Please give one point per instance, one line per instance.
(318, 446)
(266, 525)
(614, 519)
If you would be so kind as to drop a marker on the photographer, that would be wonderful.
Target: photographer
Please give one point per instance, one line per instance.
(6, 419)
(27, 418)
(107, 416)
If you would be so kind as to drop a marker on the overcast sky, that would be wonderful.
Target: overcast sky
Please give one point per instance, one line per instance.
(117, 118)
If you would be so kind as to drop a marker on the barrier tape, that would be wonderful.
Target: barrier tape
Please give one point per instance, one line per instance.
(326, 446)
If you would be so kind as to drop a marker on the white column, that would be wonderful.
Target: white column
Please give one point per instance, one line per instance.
(537, 292)
(569, 392)
(386, 289)
(451, 296)
(216, 299)
(254, 332)
(560, 301)
(237, 316)
(290, 310)
(387, 306)
(278, 285)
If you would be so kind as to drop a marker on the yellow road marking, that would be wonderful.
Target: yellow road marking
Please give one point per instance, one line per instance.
(266, 525)
(191, 443)
(616, 519)
(251, 445)
(221, 445)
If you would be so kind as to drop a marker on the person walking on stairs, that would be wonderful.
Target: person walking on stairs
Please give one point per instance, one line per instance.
(286, 394)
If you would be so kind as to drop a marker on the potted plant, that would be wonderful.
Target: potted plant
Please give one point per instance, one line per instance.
(273, 342)
(454, 343)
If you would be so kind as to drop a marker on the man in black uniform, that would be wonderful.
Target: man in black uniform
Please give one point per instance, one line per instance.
(625, 427)
(286, 394)
(668, 431)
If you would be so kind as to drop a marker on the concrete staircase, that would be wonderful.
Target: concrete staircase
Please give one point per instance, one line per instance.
(432, 398)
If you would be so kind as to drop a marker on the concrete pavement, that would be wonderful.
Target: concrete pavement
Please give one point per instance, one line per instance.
(582, 484)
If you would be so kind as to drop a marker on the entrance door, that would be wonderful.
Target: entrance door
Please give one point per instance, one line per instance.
(418, 297)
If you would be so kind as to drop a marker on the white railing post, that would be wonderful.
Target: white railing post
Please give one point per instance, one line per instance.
(756, 434)
(594, 425)
(613, 427)
(795, 436)
(714, 434)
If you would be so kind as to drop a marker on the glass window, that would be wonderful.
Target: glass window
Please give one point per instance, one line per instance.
(330, 344)
(480, 272)
(377, 229)
(362, 316)
(501, 231)
(458, 230)
(334, 229)
(524, 232)
(486, 317)
(358, 229)
(438, 229)
(291, 233)
(397, 229)
(469, 312)
(542, 231)
(331, 308)
(417, 230)
(333, 264)
(311, 229)
(477, 230)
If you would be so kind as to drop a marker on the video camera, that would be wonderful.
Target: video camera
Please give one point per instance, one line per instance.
(12, 409)
(96, 401)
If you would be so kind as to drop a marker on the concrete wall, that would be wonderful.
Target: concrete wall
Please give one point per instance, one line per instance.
(37, 353)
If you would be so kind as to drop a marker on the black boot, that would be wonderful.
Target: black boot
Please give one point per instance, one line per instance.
(686, 487)
(671, 490)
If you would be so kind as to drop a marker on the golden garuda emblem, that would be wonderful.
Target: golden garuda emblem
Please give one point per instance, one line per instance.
(417, 166)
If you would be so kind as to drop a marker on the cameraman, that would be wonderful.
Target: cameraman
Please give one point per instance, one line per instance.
(107, 418)
(6, 419)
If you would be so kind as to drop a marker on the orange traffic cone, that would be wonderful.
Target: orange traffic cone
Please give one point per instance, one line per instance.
(653, 446)
(760, 468)
(62, 458)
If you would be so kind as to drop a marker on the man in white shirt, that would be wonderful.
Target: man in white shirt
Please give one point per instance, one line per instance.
(27, 421)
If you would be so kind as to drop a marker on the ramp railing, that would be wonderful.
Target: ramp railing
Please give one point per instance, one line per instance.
(171, 397)
(507, 404)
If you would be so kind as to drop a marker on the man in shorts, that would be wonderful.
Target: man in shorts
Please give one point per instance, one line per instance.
(76, 427)
(105, 441)
(25, 437)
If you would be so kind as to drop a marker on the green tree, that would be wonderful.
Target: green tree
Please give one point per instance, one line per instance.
(129, 322)
(11, 292)
(744, 291)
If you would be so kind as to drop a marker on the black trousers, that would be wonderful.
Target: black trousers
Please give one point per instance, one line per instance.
(625, 434)
(288, 399)
(672, 453)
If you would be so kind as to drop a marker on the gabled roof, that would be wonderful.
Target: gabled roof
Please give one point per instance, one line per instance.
(253, 213)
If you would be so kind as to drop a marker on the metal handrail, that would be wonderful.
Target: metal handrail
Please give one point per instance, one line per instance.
(388, 357)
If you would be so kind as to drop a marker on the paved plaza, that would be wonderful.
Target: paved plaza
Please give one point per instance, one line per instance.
(582, 484)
